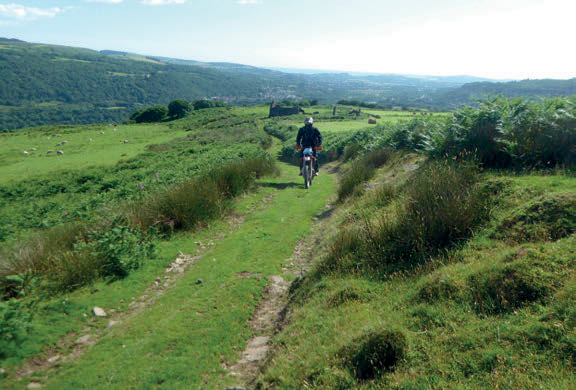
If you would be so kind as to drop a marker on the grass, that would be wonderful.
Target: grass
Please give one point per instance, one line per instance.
(208, 321)
(79, 151)
(488, 313)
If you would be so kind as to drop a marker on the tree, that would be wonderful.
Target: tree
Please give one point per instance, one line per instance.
(152, 114)
(178, 108)
(204, 103)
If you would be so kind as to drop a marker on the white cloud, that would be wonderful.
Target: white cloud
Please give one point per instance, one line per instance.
(105, 1)
(248, 2)
(162, 2)
(22, 12)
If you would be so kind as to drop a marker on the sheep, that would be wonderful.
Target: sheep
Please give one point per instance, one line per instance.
(101, 133)
(25, 153)
(32, 149)
(90, 140)
(59, 152)
(64, 142)
(50, 151)
(125, 141)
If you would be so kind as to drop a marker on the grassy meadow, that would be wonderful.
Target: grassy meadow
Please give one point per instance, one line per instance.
(84, 147)
(445, 261)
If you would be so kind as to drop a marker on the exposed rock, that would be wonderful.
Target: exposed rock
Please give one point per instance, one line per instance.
(99, 312)
(34, 385)
(85, 340)
(53, 359)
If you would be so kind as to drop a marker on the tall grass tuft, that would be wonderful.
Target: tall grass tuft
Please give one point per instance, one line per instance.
(442, 205)
(195, 202)
(362, 170)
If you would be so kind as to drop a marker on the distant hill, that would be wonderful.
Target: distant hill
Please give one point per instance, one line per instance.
(45, 84)
(524, 88)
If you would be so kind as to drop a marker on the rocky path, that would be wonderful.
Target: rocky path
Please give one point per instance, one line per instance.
(207, 322)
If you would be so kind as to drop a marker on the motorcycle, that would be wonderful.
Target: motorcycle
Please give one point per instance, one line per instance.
(308, 164)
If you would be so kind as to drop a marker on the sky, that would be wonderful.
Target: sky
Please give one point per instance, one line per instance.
(501, 39)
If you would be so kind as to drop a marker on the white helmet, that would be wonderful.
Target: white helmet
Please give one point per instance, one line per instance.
(309, 121)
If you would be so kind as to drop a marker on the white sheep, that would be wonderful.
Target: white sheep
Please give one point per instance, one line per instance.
(25, 153)
(125, 141)
(59, 152)
(50, 151)
(90, 140)
(101, 133)
(32, 149)
(64, 142)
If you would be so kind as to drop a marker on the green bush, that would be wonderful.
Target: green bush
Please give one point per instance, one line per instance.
(15, 317)
(178, 108)
(501, 132)
(152, 114)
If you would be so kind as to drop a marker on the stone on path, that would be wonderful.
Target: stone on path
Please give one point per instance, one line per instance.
(99, 312)
(34, 385)
(84, 340)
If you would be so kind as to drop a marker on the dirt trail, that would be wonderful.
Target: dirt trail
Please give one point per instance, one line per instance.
(231, 270)
(76, 344)
(267, 319)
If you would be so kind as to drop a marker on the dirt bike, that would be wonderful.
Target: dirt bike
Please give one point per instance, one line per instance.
(308, 163)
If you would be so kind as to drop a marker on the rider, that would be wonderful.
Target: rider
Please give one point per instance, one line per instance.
(309, 137)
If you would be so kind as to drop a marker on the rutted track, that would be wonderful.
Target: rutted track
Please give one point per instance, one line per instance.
(183, 337)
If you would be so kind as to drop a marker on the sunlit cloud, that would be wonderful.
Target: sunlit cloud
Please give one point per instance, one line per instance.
(22, 12)
(248, 2)
(105, 1)
(162, 2)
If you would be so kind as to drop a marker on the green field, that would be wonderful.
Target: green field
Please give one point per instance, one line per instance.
(85, 147)
(427, 272)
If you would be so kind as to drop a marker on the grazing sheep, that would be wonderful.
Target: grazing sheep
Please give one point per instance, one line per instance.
(90, 140)
(101, 133)
(59, 152)
(25, 153)
(125, 141)
(50, 151)
(32, 149)
(64, 142)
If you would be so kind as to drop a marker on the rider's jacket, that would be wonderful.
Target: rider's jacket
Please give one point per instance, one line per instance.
(309, 137)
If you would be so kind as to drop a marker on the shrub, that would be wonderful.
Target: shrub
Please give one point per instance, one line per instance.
(71, 256)
(542, 134)
(152, 114)
(15, 317)
(374, 353)
(178, 108)
(204, 103)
